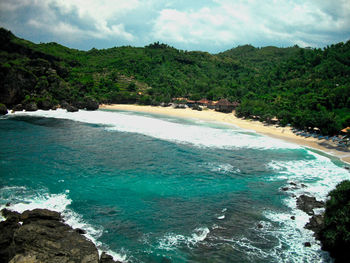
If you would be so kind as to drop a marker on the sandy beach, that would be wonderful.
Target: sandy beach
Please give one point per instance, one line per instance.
(284, 133)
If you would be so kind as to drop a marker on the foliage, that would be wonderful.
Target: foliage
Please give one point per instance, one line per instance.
(335, 236)
(304, 87)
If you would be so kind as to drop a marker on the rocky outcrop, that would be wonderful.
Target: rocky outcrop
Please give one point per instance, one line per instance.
(316, 225)
(18, 107)
(3, 109)
(91, 104)
(45, 105)
(31, 106)
(71, 108)
(40, 235)
(308, 204)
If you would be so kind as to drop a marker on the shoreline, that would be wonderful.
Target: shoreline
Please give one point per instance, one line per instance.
(282, 133)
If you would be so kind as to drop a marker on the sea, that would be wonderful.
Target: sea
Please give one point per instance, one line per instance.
(152, 188)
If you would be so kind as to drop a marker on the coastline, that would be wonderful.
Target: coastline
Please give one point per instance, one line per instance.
(283, 133)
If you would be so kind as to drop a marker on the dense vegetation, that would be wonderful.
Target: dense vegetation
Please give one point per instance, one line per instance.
(302, 86)
(335, 236)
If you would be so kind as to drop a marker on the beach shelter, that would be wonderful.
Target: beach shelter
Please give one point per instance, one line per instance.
(224, 105)
(346, 130)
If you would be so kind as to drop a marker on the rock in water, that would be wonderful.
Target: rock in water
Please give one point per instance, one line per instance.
(91, 104)
(105, 258)
(71, 108)
(31, 106)
(18, 107)
(308, 204)
(316, 224)
(43, 237)
(3, 109)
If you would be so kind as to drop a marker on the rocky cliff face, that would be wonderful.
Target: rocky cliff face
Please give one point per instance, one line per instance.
(40, 235)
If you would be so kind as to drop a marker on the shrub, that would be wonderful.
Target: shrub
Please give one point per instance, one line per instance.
(335, 236)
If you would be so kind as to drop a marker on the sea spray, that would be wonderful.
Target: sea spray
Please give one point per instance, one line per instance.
(167, 129)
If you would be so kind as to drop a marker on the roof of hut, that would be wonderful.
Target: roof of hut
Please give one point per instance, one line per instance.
(347, 129)
(224, 102)
(203, 101)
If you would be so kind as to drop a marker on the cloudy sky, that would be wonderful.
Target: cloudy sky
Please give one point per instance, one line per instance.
(207, 25)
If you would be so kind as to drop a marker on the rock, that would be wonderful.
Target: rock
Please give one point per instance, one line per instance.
(285, 188)
(79, 104)
(292, 183)
(15, 216)
(43, 238)
(80, 231)
(105, 258)
(91, 104)
(18, 107)
(71, 108)
(45, 105)
(260, 226)
(64, 104)
(307, 204)
(7, 230)
(19, 258)
(37, 214)
(31, 106)
(307, 244)
(347, 167)
(316, 224)
(292, 217)
(3, 109)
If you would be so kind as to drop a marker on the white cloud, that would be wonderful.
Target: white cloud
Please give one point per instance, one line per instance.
(101, 17)
(204, 25)
(240, 22)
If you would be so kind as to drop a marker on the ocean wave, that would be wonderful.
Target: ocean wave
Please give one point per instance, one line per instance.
(224, 168)
(320, 175)
(315, 177)
(59, 203)
(164, 129)
(172, 241)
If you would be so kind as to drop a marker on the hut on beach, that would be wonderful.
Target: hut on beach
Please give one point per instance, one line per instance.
(345, 130)
(212, 105)
(203, 102)
(224, 105)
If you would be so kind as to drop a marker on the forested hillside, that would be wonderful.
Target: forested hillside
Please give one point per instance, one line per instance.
(302, 86)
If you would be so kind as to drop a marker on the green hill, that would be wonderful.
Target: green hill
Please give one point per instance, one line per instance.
(304, 87)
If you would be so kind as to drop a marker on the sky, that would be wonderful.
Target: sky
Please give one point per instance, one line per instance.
(206, 25)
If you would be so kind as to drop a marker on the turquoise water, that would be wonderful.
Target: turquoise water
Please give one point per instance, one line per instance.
(159, 189)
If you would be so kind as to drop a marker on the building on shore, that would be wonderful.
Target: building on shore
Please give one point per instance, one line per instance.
(224, 105)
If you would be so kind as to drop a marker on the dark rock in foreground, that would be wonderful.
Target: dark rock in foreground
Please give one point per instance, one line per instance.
(41, 236)
(3, 109)
(308, 204)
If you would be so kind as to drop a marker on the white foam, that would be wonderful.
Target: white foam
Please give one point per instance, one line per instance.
(59, 203)
(320, 175)
(201, 136)
(172, 241)
(224, 168)
(221, 217)
(54, 202)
